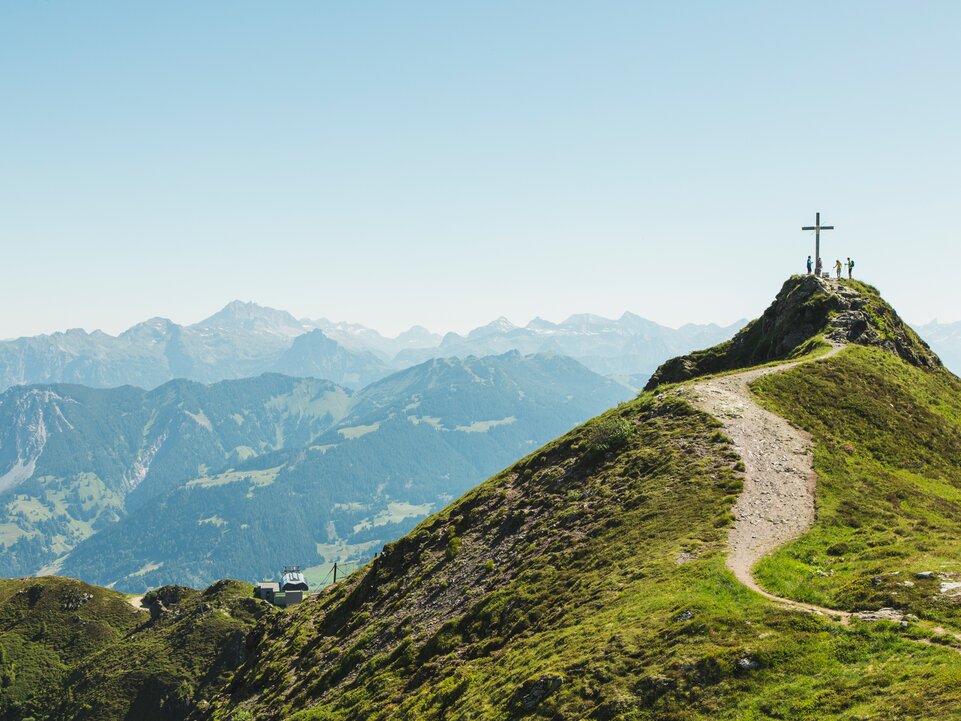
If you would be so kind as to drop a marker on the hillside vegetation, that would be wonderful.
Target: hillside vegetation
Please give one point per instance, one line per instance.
(190, 483)
(888, 458)
(588, 580)
(73, 651)
(47, 627)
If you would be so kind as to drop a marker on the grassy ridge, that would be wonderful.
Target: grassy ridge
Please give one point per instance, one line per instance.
(888, 457)
(587, 581)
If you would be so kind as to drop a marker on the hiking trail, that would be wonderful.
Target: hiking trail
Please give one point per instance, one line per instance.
(777, 503)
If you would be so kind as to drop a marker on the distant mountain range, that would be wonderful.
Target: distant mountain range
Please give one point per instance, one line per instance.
(242, 340)
(187, 483)
(245, 339)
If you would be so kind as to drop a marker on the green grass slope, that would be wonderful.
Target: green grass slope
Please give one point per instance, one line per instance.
(888, 458)
(587, 581)
(73, 651)
(47, 627)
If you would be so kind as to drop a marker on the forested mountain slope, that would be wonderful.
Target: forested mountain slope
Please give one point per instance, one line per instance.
(406, 446)
(75, 460)
(190, 483)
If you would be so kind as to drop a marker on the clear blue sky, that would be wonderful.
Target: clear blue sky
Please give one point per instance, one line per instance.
(445, 163)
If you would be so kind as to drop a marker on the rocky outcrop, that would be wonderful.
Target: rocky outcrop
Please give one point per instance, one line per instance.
(806, 308)
(864, 318)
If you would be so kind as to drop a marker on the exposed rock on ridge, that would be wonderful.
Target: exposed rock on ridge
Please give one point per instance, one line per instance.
(805, 308)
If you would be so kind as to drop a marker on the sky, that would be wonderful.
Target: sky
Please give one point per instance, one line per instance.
(447, 163)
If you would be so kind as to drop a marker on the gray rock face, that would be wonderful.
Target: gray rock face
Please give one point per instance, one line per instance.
(529, 696)
(882, 614)
(859, 320)
(805, 308)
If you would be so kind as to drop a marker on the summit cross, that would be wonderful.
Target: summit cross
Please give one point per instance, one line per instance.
(817, 228)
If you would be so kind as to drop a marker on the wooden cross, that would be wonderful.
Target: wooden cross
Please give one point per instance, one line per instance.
(817, 228)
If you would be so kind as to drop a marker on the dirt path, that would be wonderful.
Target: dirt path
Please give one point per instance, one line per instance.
(777, 503)
(136, 602)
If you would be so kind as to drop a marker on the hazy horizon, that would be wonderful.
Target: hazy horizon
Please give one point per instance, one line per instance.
(393, 333)
(387, 334)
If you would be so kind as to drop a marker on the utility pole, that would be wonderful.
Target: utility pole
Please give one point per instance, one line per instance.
(335, 571)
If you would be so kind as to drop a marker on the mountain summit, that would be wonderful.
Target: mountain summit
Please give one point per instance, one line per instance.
(806, 311)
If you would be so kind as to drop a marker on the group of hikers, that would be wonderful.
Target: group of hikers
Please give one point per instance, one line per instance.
(838, 265)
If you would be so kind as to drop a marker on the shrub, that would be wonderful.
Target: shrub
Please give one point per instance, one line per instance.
(609, 434)
(453, 546)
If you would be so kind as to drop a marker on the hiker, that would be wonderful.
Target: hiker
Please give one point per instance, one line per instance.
(837, 267)
(810, 266)
(817, 268)
(850, 268)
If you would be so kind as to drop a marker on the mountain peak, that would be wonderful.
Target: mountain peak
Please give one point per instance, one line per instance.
(417, 333)
(539, 323)
(240, 315)
(586, 320)
(501, 325)
(806, 310)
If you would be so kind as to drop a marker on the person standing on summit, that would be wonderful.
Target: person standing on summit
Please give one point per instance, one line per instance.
(810, 265)
(850, 269)
(837, 268)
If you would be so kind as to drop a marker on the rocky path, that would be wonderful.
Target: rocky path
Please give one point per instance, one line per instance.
(777, 503)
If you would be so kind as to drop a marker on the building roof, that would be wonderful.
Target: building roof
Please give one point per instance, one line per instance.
(293, 580)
